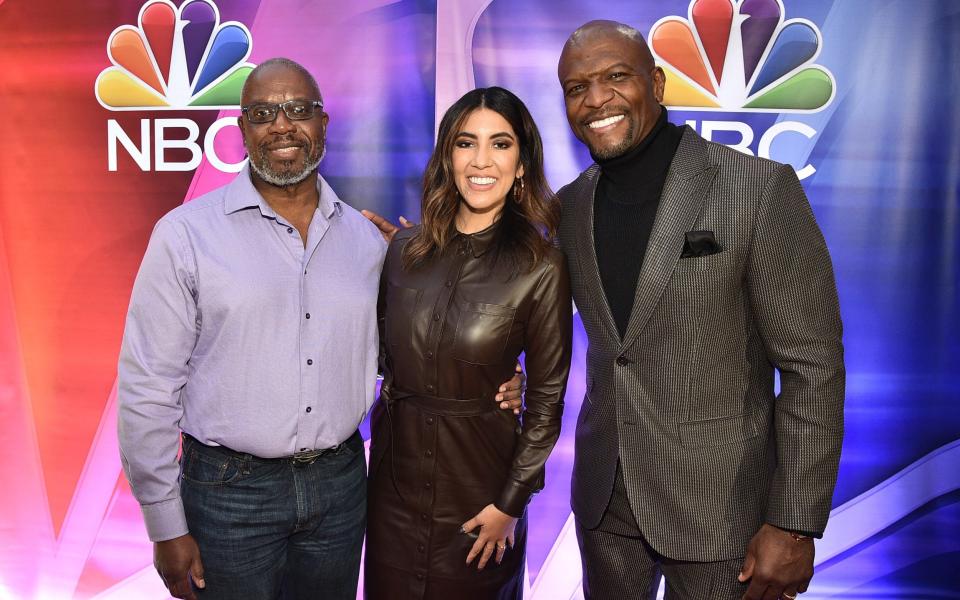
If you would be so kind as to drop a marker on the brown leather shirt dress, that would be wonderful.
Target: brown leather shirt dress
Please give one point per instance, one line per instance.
(442, 449)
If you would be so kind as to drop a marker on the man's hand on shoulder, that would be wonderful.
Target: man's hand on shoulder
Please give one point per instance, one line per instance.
(177, 561)
(387, 229)
(777, 564)
(510, 394)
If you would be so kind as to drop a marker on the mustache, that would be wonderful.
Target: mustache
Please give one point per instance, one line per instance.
(284, 142)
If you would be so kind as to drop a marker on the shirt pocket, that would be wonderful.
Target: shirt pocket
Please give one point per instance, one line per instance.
(400, 308)
(482, 333)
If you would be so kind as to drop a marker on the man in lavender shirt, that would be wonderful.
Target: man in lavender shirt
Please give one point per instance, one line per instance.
(252, 329)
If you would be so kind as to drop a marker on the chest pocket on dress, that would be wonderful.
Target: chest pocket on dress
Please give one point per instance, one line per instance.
(400, 310)
(482, 333)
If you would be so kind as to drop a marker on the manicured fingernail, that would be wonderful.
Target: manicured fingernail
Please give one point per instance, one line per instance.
(504, 405)
(503, 388)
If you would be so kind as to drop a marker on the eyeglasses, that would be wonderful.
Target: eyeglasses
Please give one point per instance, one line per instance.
(296, 110)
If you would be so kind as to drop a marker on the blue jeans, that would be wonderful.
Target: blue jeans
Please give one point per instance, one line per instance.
(276, 528)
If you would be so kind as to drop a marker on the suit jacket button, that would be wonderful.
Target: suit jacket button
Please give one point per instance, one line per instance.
(623, 361)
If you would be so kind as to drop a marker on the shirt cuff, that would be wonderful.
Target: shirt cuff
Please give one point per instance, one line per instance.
(513, 499)
(165, 520)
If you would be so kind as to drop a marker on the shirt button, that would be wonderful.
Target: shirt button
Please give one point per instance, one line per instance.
(429, 420)
(303, 449)
(623, 361)
(420, 548)
(429, 354)
(423, 516)
(308, 315)
(436, 317)
(429, 388)
(429, 453)
(309, 409)
(309, 361)
(428, 485)
(289, 229)
(448, 284)
(419, 576)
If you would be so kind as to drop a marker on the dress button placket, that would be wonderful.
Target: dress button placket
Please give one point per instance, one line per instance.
(440, 308)
(430, 423)
(426, 496)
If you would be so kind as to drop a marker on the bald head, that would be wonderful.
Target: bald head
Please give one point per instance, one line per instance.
(594, 32)
(284, 151)
(603, 25)
(612, 87)
(271, 69)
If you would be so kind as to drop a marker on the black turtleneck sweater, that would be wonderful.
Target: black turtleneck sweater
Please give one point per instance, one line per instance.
(625, 206)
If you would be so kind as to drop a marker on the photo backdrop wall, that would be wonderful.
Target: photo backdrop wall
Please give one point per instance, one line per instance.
(116, 111)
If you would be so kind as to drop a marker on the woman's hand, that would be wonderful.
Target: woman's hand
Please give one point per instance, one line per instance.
(496, 532)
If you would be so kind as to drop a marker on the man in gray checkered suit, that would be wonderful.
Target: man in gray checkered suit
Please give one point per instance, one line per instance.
(698, 271)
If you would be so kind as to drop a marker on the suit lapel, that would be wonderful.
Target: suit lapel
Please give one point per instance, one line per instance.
(588, 250)
(681, 201)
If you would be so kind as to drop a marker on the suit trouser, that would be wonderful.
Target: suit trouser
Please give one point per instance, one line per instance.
(618, 563)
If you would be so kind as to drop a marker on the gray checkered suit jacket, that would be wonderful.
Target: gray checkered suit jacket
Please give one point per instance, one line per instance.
(686, 399)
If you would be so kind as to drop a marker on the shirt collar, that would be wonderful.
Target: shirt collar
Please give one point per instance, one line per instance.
(241, 195)
(480, 242)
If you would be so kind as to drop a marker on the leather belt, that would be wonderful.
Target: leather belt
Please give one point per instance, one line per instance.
(302, 458)
(448, 407)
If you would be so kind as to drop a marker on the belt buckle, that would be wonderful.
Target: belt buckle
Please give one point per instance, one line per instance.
(307, 457)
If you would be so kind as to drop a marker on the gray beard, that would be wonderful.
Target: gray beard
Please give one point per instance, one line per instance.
(264, 172)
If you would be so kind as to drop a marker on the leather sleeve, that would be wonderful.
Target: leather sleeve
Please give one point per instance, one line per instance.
(547, 342)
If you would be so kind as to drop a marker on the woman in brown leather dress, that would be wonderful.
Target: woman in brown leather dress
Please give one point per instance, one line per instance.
(462, 295)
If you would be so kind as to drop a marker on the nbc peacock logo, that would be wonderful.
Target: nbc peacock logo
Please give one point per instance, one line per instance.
(741, 56)
(176, 59)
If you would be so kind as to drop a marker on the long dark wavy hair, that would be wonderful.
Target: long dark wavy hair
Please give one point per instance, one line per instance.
(528, 221)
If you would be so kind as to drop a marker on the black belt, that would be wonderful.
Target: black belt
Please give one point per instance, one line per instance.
(304, 457)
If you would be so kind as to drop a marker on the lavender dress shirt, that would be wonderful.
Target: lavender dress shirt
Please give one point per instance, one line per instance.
(242, 337)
